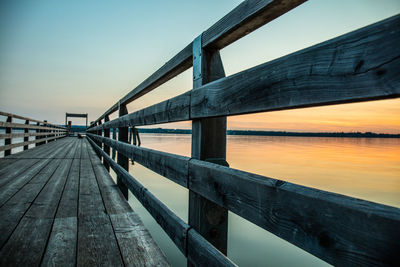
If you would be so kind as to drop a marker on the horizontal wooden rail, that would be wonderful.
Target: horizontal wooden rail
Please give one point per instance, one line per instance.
(29, 126)
(7, 147)
(16, 135)
(338, 229)
(359, 66)
(192, 245)
(245, 18)
(29, 119)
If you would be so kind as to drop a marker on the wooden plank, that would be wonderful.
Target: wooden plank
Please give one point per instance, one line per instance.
(136, 244)
(25, 126)
(14, 209)
(11, 186)
(202, 253)
(358, 66)
(7, 173)
(97, 245)
(172, 224)
(25, 118)
(68, 206)
(41, 151)
(15, 135)
(338, 229)
(61, 247)
(6, 163)
(245, 18)
(78, 152)
(171, 166)
(174, 109)
(7, 147)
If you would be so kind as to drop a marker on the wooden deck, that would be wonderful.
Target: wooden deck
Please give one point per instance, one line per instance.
(60, 207)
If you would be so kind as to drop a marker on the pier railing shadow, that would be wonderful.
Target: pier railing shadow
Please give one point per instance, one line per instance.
(362, 65)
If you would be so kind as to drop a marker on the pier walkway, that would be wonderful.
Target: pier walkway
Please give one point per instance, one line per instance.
(59, 206)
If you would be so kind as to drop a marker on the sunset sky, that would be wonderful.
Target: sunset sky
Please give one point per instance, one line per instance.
(83, 56)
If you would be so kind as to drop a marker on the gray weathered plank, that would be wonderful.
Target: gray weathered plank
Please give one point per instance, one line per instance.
(338, 229)
(28, 126)
(245, 18)
(358, 66)
(13, 210)
(97, 245)
(2, 113)
(61, 247)
(6, 147)
(137, 246)
(202, 253)
(36, 224)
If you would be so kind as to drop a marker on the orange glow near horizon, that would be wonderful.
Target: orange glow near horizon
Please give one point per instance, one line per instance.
(375, 116)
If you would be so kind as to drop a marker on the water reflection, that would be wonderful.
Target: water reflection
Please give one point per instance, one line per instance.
(364, 168)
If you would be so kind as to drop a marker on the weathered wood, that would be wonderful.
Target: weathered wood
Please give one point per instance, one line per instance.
(7, 141)
(106, 147)
(172, 224)
(26, 138)
(26, 134)
(25, 118)
(338, 229)
(14, 209)
(9, 147)
(358, 66)
(173, 167)
(26, 126)
(202, 253)
(122, 160)
(97, 245)
(245, 18)
(61, 247)
(174, 109)
(136, 245)
(208, 142)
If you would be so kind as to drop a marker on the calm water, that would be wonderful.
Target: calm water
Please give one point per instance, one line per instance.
(363, 168)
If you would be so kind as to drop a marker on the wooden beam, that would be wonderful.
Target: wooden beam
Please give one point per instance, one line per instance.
(10, 146)
(247, 17)
(338, 229)
(358, 66)
(7, 141)
(26, 138)
(27, 126)
(106, 147)
(171, 166)
(25, 118)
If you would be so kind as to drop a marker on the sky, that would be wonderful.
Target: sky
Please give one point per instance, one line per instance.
(83, 56)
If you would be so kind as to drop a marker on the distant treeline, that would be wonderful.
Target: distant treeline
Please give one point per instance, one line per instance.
(264, 133)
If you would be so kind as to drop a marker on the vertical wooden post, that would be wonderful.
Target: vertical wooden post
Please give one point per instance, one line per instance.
(114, 136)
(106, 148)
(100, 144)
(209, 144)
(121, 159)
(38, 137)
(7, 141)
(26, 138)
(45, 137)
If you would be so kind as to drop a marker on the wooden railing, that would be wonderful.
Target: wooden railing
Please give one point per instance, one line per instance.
(43, 132)
(358, 66)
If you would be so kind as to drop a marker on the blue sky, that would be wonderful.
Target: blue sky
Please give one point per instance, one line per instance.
(82, 56)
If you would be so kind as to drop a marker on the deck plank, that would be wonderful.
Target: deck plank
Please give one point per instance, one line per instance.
(65, 210)
(28, 241)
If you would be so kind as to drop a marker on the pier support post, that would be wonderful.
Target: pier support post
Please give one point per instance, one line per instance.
(209, 144)
(38, 137)
(100, 144)
(106, 147)
(26, 138)
(121, 159)
(7, 141)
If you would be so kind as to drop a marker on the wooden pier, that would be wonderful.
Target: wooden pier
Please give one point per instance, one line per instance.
(60, 207)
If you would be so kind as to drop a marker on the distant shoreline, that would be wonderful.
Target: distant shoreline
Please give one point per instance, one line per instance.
(266, 133)
(277, 133)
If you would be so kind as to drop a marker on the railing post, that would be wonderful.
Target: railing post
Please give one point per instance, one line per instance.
(7, 141)
(106, 148)
(26, 138)
(121, 159)
(45, 131)
(209, 144)
(114, 137)
(100, 144)
(37, 137)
